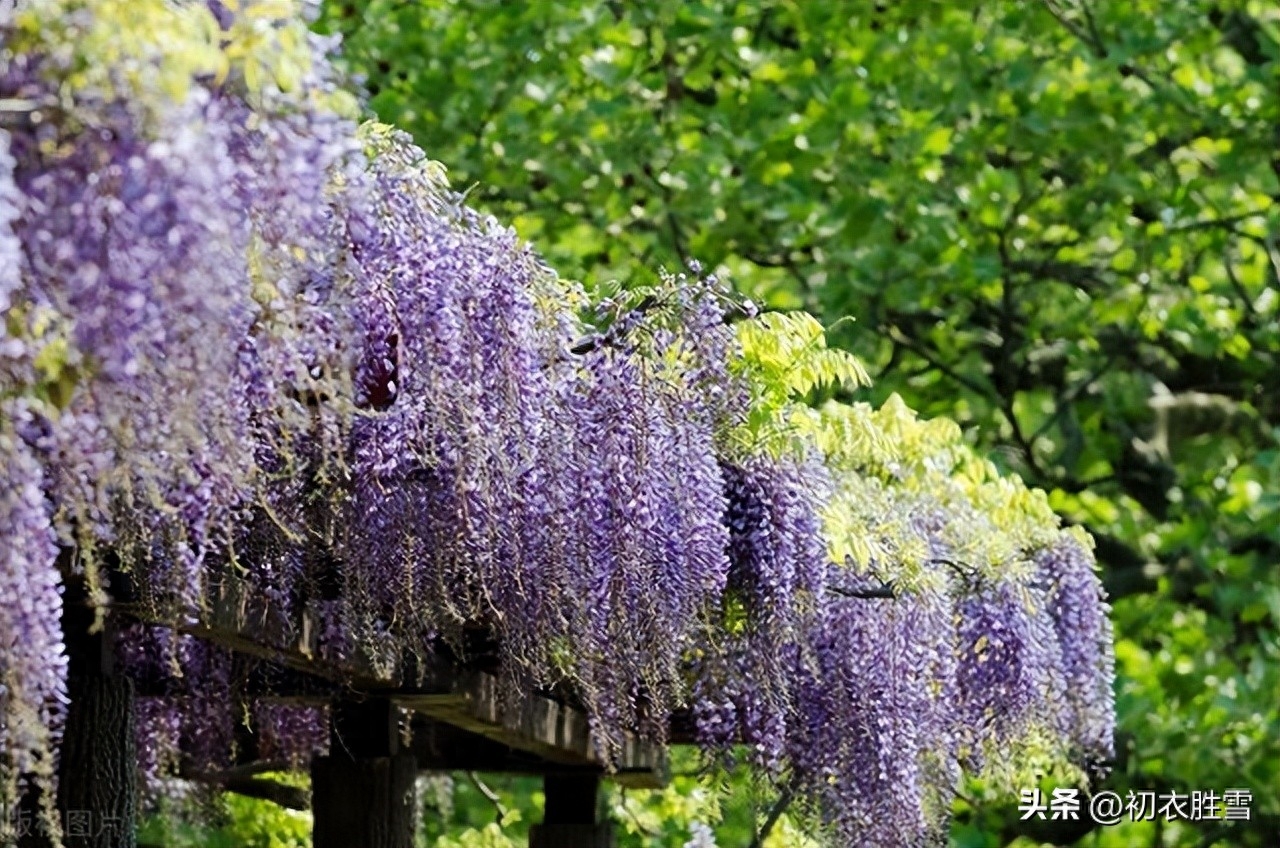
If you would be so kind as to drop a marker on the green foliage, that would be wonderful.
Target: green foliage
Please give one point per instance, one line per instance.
(883, 461)
(785, 357)
(1055, 222)
(258, 824)
(155, 48)
(236, 822)
(457, 812)
(491, 836)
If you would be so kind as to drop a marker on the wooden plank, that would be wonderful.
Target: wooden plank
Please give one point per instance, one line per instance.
(444, 747)
(243, 621)
(541, 726)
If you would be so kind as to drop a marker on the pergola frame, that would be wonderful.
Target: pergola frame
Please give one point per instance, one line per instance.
(363, 790)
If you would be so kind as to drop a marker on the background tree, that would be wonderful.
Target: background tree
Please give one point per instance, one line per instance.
(1055, 221)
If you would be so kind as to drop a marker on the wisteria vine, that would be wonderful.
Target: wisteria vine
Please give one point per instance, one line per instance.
(243, 335)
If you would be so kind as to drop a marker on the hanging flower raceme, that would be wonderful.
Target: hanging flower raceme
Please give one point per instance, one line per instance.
(1076, 605)
(32, 662)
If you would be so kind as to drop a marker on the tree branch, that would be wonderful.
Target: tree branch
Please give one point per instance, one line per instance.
(885, 591)
(1070, 396)
(1242, 33)
(1092, 39)
(289, 797)
(490, 796)
(1250, 312)
(775, 813)
(901, 338)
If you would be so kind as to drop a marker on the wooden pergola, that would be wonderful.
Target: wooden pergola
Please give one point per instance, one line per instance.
(363, 790)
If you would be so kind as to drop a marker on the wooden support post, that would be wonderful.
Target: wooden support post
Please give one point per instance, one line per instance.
(571, 817)
(362, 794)
(97, 769)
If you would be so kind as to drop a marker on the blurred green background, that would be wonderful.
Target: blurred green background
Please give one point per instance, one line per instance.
(1054, 220)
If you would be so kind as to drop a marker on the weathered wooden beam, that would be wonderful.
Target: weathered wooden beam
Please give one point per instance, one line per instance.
(289, 797)
(365, 728)
(242, 620)
(432, 686)
(444, 747)
(541, 726)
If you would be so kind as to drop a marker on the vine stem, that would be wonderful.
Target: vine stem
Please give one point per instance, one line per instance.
(775, 812)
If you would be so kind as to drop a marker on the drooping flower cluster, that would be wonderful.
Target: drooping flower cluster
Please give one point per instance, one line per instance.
(291, 734)
(895, 612)
(868, 697)
(192, 719)
(10, 255)
(158, 741)
(874, 725)
(1076, 606)
(32, 664)
(776, 588)
(246, 341)
(1005, 670)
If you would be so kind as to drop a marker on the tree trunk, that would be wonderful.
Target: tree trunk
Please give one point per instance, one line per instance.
(97, 768)
(97, 776)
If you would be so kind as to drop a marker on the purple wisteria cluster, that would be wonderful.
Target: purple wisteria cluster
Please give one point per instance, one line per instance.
(33, 671)
(1075, 604)
(291, 734)
(868, 700)
(776, 587)
(193, 718)
(245, 340)
(1008, 670)
(245, 355)
(167, 284)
